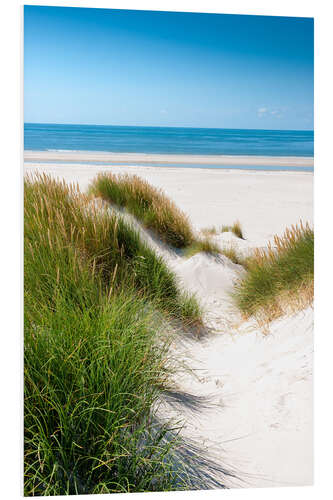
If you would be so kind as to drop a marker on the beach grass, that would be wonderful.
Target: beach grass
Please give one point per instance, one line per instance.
(209, 231)
(202, 245)
(208, 246)
(236, 228)
(280, 277)
(112, 246)
(96, 301)
(148, 204)
(232, 254)
(157, 212)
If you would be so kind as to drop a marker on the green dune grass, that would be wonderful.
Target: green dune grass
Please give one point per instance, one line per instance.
(96, 299)
(202, 245)
(149, 204)
(279, 278)
(158, 213)
(113, 248)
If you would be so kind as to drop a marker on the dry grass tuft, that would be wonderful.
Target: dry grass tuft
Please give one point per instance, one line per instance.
(235, 228)
(233, 255)
(285, 304)
(209, 231)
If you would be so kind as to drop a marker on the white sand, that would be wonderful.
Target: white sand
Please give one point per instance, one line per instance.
(247, 404)
(139, 158)
(256, 390)
(264, 202)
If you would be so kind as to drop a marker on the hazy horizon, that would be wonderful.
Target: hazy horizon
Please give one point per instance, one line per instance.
(164, 126)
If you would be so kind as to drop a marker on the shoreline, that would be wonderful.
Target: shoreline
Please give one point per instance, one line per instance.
(100, 167)
(169, 159)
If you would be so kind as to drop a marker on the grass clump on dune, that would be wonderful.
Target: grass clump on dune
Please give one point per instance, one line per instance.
(280, 277)
(113, 247)
(149, 204)
(234, 256)
(202, 245)
(157, 212)
(95, 356)
(209, 231)
(208, 246)
(236, 228)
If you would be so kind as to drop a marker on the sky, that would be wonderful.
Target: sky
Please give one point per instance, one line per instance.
(143, 68)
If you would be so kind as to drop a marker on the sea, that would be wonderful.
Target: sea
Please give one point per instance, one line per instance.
(171, 140)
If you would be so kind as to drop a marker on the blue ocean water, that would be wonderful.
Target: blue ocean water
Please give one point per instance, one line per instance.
(167, 140)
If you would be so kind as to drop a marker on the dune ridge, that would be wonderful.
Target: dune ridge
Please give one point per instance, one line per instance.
(245, 397)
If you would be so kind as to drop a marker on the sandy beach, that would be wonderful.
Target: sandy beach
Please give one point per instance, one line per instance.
(168, 163)
(250, 393)
(180, 159)
(264, 202)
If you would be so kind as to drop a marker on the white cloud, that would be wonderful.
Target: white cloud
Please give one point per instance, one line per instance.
(262, 112)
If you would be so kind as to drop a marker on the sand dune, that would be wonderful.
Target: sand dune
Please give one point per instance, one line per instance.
(246, 401)
(258, 388)
(264, 202)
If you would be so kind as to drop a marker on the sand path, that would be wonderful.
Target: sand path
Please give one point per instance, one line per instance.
(246, 403)
(252, 392)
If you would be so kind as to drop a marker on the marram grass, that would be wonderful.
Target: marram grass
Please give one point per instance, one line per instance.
(236, 228)
(209, 231)
(157, 212)
(235, 257)
(60, 214)
(95, 352)
(205, 245)
(148, 204)
(208, 246)
(279, 278)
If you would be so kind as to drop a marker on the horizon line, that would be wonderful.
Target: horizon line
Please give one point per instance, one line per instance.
(166, 126)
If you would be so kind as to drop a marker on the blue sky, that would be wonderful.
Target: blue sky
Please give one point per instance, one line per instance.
(120, 67)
